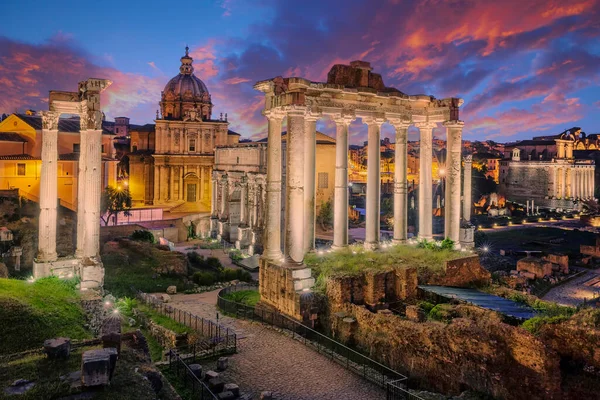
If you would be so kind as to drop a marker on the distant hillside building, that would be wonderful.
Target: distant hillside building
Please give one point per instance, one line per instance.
(550, 170)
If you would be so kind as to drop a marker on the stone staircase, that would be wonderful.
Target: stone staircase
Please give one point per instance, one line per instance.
(190, 207)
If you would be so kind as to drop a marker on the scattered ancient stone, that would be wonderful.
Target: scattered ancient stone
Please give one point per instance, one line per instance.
(165, 298)
(233, 388)
(172, 290)
(226, 396)
(96, 367)
(414, 313)
(349, 320)
(3, 270)
(196, 370)
(210, 375)
(58, 348)
(155, 380)
(216, 385)
(222, 363)
(19, 386)
(266, 395)
(111, 333)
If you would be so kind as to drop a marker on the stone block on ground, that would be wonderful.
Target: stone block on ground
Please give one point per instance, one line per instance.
(233, 388)
(58, 348)
(226, 396)
(216, 385)
(3, 270)
(210, 375)
(172, 290)
(266, 395)
(222, 363)
(19, 387)
(165, 298)
(110, 333)
(196, 370)
(536, 266)
(97, 366)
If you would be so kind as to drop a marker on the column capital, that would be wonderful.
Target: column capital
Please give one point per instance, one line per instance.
(374, 120)
(426, 125)
(343, 119)
(399, 123)
(274, 114)
(50, 120)
(312, 116)
(454, 124)
(295, 110)
(90, 120)
(468, 158)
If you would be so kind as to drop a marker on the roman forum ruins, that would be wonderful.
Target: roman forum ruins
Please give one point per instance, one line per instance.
(86, 264)
(351, 91)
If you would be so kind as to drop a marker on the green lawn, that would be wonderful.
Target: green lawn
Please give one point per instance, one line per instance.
(354, 260)
(33, 312)
(247, 297)
(163, 320)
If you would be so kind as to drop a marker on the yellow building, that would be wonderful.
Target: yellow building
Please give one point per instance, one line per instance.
(20, 157)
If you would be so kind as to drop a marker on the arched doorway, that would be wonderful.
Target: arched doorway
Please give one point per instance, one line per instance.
(192, 187)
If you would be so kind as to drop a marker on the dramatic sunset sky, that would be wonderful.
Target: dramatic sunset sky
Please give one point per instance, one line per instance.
(524, 67)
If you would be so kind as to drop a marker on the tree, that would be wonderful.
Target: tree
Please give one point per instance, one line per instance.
(325, 216)
(114, 200)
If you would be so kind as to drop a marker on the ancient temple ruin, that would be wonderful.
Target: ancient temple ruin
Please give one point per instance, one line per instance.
(86, 262)
(351, 91)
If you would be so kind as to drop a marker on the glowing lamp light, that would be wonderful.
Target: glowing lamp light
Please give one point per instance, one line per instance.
(115, 311)
(320, 252)
(31, 279)
(107, 303)
(485, 249)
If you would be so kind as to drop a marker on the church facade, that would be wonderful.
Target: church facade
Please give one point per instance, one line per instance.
(171, 165)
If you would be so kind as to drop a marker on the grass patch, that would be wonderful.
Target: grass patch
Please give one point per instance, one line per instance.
(247, 297)
(143, 266)
(33, 312)
(163, 320)
(535, 324)
(354, 260)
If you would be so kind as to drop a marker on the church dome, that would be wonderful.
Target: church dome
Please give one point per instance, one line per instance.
(185, 94)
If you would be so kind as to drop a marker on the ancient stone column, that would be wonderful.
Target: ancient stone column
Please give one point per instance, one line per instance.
(81, 204)
(93, 177)
(400, 183)
(453, 186)
(556, 185)
(467, 196)
(171, 183)
(224, 197)
(243, 200)
(215, 192)
(592, 183)
(294, 201)
(48, 188)
(575, 182)
(373, 205)
(340, 206)
(272, 242)
(310, 150)
(425, 180)
(564, 182)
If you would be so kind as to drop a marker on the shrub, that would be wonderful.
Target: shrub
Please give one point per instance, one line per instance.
(195, 259)
(236, 255)
(442, 312)
(204, 278)
(534, 324)
(142, 235)
(426, 306)
(447, 244)
(230, 274)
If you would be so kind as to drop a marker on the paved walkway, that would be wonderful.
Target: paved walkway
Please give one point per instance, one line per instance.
(575, 292)
(269, 360)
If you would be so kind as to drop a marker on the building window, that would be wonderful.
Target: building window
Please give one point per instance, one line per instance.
(76, 147)
(117, 130)
(103, 149)
(192, 145)
(21, 169)
(323, 180)
(238, 160)
(134, 148)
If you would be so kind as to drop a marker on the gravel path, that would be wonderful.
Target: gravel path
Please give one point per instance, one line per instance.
(269, 360)
(575, 292)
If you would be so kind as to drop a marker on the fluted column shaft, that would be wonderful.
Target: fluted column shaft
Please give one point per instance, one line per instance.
(295, 181)
(425, 180)
(564, 182)
(48, 189)
(81, 204)
(272, 242)
(372, 222)
(93, 177)
(243, 201)
(400, 184)
(453, 186)
(592, 183)
(467, 196)
(215, 192)
(340, 196)
(171, 183)
(575, 183)
(556, 184)
(224, 190)
(310, 150)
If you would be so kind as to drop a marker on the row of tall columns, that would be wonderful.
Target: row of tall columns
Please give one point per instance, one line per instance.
(425, 180)
(453, 186)
(572, 182)
(167, 178)
(251, 197)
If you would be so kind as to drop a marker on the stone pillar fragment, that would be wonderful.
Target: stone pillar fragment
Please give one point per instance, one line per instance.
(294, 201)
(243, 201)
(310, 150)
(272, 242)
(48, 188)
(215, 192)
(224, 190)
(373, 205)
(81, 204)
(93, 192)
(340, 207)
(400, 183)
(425, 180)
(467, 194)
(453, 187)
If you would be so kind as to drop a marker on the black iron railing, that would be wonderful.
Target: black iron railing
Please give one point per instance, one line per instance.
(369, 369)
(188, 378)
(215, 338)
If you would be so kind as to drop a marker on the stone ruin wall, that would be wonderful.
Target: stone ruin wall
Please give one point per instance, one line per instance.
(276, 287)
(462, 272)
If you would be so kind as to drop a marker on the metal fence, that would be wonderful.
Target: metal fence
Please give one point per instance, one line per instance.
(189, 379)
(215, 338)
(369, 369)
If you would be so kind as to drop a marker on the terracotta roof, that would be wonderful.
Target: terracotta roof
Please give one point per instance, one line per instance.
(64, 124)
(19, 157)
(142, 128)
(11, 137)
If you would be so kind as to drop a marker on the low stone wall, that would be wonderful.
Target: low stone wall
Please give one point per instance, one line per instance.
(277, 288)
(475, 351)
(462, 272)
(111, 232)
(166, 337)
